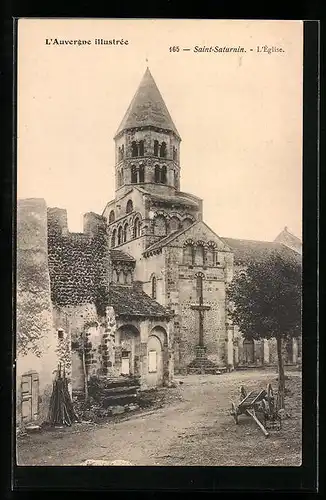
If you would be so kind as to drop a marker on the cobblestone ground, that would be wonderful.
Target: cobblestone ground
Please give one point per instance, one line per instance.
(194, 428)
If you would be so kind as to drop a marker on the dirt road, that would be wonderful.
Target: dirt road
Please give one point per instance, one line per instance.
(196, 429)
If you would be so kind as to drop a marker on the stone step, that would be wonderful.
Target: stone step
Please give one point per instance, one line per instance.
(198, 363)
(128, 389)
(120, 381)
(119, 399)
(203, 371)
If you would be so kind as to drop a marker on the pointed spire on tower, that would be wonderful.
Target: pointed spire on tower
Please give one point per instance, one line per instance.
(147, 108)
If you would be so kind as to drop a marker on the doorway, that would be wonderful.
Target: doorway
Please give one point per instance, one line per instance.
(30, 397)
(248, 352)
(154, 361)
(125, 363)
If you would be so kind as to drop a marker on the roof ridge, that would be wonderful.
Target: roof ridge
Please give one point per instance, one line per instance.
(169, 237)
(121, 251)
(247, 240)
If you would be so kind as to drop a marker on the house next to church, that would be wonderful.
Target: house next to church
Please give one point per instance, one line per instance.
(143, 288)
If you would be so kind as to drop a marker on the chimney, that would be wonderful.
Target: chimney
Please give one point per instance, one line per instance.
(57, 221)
(94, 224)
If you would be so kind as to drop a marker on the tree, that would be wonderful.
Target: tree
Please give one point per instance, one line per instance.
(265, 302)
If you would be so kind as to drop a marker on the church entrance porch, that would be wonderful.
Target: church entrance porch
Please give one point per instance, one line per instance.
(127, 351)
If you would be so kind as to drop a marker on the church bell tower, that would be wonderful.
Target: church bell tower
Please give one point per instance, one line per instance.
(147, 144)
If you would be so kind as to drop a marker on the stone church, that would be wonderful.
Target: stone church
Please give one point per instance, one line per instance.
(143, 287)
(181, 262)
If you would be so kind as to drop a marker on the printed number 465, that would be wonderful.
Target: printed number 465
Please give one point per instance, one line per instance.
(175, 48)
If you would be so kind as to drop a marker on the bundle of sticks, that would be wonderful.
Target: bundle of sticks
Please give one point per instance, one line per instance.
(61, 411)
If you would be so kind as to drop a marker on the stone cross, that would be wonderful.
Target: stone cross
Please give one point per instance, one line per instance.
(201, 309)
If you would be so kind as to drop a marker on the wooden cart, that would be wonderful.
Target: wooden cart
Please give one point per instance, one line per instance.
(257, 401)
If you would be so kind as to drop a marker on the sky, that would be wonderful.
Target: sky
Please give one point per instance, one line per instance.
(239, 115)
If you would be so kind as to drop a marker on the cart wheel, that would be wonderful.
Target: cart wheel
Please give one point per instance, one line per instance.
(270, 398)
(266, 410)
(234, 413)
(243, 392)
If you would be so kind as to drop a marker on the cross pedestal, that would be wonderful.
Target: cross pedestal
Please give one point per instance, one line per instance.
(201, 364)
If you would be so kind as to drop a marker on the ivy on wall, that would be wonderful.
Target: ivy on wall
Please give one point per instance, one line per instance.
(78, 269)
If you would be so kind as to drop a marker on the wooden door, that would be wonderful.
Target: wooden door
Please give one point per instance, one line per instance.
(248, 352)
(154, 362)
(125, 363)
(30, 397)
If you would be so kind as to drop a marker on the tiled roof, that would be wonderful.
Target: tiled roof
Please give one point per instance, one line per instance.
(176, 200)
(248, 250)
(119, 255)
(189, 195)
(127, 301)
(147, 108)
(289, 239)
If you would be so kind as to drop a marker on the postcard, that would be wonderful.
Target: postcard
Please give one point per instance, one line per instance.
(159, 242)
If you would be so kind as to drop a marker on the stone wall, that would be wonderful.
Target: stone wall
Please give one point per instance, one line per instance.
(78, 265)
(36, 340)
(146, 269)
(215, 334)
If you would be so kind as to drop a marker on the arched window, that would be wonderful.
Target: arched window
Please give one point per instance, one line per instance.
(133, 174)
(114, 276)
(157, 173)
(163, 175)
(187, 222)
(111, 217)
(210, 256)
(141, 148)
(129, 206)
(199, 255)
(134, 149)
(175, 152)
(174, 223)
(118, 276)
(120, 235)
(156, 148)
(137, 225)
(153, 287)
(188, 255)
(128, 277)
(113, 238)
(160, 228)
(125, 232)
(141, 173)
(176, 179)
(121, 152)
(120, 177)
(163, 150)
